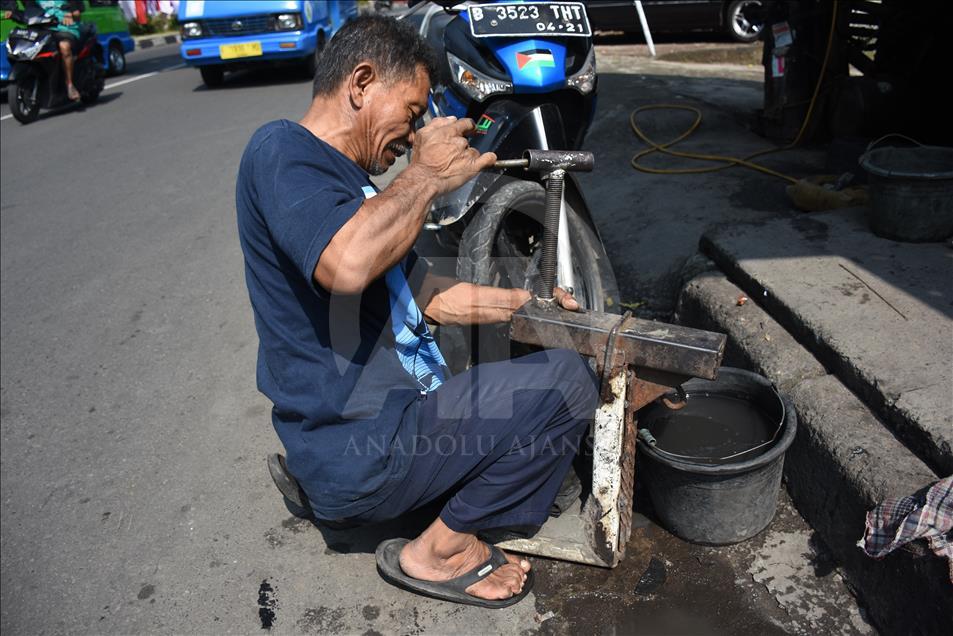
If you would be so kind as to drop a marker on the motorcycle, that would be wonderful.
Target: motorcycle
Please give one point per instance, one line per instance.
(525, 72)
(36, 79)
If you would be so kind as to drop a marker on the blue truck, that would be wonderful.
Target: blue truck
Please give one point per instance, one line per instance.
(218, 36)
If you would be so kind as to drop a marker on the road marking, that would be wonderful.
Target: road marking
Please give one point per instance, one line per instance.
(143, 76)
(135, 78)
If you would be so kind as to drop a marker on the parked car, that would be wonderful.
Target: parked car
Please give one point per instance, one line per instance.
(112, 31)
(224, 36)
(741, 19)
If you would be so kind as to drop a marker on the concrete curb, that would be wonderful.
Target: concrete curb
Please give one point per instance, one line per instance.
(927, 442)
(150, 41)
(844, 459)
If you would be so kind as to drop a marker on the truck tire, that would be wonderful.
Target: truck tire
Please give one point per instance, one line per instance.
(213, 76)
(311, 62)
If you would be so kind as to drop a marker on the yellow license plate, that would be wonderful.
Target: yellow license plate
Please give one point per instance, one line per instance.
(245, 49)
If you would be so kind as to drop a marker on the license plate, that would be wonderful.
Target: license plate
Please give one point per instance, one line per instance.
(24, 34)
(527, 19)
(244, 49)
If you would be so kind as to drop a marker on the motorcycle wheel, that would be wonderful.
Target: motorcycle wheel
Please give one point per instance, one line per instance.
(23, 107)
(502, 247)
(91, 96)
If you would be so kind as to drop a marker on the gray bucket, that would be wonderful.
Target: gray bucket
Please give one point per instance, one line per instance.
(720, 504)
(911, 192)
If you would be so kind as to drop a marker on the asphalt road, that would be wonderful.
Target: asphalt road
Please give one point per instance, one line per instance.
(135, 496)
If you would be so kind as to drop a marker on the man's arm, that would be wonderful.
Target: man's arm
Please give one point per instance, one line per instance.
(385, 227)
(73, 11)
(447, 301)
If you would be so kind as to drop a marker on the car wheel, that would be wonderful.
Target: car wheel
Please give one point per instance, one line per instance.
(739, 17)
(117, 60)
(213, 76)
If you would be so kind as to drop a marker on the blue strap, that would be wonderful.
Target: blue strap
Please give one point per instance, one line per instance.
(415, 345)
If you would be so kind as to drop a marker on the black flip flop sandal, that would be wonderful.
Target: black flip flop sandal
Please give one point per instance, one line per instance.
(453, 590)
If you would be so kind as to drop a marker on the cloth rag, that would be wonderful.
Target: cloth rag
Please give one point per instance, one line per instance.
(926, 514)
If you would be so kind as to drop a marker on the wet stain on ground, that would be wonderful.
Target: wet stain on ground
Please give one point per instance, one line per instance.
(652, 579)
(662, 586)
(273, 538)
(296, 524)
(371, 612)
(322, 620)
(267, 604)
(146, 591)
(812, 229)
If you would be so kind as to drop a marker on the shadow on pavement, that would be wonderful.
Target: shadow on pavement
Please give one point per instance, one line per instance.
(78, 107)
(150, 65)
(257, 76)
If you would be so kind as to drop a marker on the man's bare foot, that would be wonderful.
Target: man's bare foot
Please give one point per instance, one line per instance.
(72, 93)
(440, 554)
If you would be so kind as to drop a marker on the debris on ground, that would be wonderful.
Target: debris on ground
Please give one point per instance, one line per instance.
(542, 618)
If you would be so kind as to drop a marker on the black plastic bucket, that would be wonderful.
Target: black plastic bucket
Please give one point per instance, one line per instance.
(719, 503)
(911, 192)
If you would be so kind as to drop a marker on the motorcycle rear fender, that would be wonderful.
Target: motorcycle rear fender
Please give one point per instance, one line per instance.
(508, 128)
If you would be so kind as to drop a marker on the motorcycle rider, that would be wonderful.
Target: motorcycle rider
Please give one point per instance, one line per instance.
(66, 33)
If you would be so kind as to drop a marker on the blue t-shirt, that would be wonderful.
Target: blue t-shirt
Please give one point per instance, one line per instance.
(344, 395)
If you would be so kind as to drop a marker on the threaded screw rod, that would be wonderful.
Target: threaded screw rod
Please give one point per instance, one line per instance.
(555, 181)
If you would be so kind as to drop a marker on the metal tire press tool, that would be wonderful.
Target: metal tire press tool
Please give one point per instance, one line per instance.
(638, 361)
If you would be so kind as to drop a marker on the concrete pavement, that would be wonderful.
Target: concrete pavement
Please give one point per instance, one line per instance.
(134, 491)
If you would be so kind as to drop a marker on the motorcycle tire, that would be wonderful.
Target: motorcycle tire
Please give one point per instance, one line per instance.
(501, 247)
(22, 108)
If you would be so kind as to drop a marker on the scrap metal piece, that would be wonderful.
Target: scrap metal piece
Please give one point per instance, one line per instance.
(613, 359)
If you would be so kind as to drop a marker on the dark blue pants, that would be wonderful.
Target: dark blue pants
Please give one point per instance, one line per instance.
(499, 437)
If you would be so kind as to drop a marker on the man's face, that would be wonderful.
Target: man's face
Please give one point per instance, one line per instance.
(388, 122)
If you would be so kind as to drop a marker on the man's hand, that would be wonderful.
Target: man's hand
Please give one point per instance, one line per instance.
(565, 299)
(7, 15)
(443, 154)
(447, 301)
(67, 20)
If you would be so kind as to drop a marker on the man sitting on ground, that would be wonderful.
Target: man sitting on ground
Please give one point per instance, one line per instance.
(373, 424)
